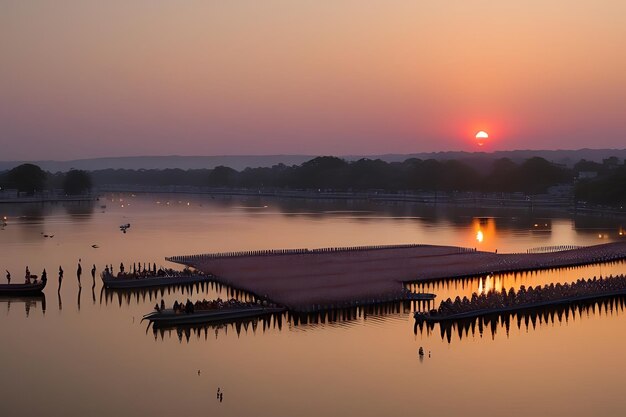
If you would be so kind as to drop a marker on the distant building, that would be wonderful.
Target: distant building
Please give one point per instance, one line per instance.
(6, 193)
(585, 175)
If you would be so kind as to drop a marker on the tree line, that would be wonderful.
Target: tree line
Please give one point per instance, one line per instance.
(532, 176)
(30, 179)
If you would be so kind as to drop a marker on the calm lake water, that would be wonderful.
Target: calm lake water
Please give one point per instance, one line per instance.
(85, 351)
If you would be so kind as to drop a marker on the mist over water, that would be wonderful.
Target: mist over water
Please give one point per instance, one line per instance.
(84, 350)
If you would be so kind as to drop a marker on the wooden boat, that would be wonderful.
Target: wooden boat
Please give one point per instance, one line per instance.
(435, 318)
(168, 317)
(111, 282)
(22, 289)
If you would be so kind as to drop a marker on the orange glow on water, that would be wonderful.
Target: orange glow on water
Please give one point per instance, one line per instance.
(484, 232)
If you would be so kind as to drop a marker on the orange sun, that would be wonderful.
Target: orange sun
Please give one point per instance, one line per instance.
(481, 137)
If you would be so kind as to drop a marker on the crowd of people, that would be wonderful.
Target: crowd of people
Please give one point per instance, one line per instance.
(28, 277)
(190, 307)
(496, 300)
(139, 270)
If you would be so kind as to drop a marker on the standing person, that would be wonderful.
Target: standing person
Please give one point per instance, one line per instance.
(93, 271)
(60, 281)
(8, 276)
(44, 276)
(79, 272)
(27, 275)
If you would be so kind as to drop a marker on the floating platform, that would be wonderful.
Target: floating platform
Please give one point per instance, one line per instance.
(310, 279)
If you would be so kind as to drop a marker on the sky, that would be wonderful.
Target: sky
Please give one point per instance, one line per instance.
(81, 79)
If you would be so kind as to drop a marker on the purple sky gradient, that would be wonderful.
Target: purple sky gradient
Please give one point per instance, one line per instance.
(87, 79)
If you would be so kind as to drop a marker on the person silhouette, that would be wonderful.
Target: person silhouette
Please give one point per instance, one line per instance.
(8, 276)
(60, 277)
(79, 272)
(93, 271)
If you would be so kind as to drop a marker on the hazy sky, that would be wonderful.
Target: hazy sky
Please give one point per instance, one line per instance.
(207, 77)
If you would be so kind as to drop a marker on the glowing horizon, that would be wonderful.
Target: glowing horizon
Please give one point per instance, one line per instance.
(101, 79)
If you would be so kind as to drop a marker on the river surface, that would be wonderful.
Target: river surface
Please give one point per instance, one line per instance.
(84, 351)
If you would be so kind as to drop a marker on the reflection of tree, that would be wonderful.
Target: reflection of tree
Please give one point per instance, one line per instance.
(82, 210)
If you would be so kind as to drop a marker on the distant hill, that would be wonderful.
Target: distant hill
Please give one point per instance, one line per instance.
(479, 160)
(161, 162)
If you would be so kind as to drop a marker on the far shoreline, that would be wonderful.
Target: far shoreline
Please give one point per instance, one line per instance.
(461, 199)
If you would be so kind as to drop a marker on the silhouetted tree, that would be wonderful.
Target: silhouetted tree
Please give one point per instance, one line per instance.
(26, 178)
(607, 189)
(536, 175)
(76, 182)
(323, 172)
(504, 176)
(222, 176)
(457, 176)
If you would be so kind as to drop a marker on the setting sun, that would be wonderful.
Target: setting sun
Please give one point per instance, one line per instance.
(481, 137)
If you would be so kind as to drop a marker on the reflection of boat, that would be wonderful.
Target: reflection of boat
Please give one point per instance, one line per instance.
(22, 289)
(529, 319)
(168, 317)
(433, 316)
(30, 301)
(33, 299)
(112, 282)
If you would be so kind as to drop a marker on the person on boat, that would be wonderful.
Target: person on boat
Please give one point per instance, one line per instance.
(27, 276)
(156, 307)
(8, 276)
(162, 304)
(121, 267)
(44, 276)
(176, 306)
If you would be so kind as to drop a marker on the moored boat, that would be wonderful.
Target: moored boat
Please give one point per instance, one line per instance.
(170, 317)
(504, 302)
(22, 289)
(112, 282)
